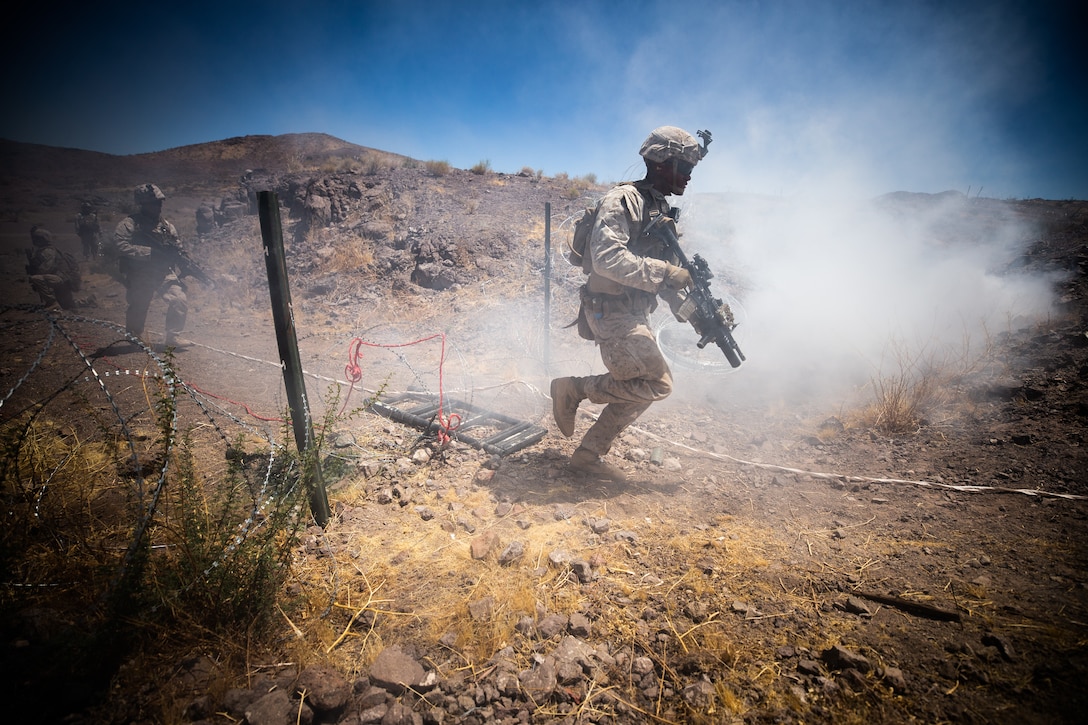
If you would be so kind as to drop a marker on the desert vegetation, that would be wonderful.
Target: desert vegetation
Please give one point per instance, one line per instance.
(437, 168)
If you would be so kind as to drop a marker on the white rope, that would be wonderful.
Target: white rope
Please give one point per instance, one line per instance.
(851, 478)
(848, 478)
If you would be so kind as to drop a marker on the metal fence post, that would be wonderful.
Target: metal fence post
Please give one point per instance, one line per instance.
(547, 284)
(276, 263)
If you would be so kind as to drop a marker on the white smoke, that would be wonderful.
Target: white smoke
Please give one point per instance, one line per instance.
(835, 292)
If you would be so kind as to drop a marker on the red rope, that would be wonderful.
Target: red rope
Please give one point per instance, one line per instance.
(354, 373)
(234, 402)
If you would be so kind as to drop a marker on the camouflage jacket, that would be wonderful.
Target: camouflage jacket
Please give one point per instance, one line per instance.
(153, 242)
(43, 260)
(624, 260)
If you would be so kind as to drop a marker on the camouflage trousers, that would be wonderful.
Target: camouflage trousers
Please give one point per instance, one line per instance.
(637, 373)
(142, 289)
(53, 289)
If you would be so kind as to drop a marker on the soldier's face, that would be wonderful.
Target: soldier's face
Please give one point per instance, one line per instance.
(152, 208)
(677, 175)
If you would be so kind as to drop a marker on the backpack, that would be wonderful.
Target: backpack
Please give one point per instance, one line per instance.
(576, 254)
(583, 228)
(68, 270)
(87, 224)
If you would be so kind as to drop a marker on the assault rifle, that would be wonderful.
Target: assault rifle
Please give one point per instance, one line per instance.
(707, 316)
(182, 261)
(171, 247)
(188, 268)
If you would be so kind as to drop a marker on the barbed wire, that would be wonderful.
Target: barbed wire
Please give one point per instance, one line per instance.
(53, 373)
(71, 351)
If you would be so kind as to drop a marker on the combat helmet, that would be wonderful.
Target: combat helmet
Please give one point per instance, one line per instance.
(40, 236)
(146, 193)
(668, 142)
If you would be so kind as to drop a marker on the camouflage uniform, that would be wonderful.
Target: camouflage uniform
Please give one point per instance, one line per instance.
(88, 229)
(619, 296)
(629, 272)
(47, 273)
(147, 246)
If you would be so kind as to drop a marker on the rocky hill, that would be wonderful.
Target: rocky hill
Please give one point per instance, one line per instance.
(772, 558)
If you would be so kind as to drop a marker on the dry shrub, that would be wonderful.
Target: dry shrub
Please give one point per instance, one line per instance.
(68, 515)
(437, 168)
(909, 385)
(902, 396)
(350, 255)
(372, 164)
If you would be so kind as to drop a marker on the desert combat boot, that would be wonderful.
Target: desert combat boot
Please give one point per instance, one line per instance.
(587, 462)
(567, 393)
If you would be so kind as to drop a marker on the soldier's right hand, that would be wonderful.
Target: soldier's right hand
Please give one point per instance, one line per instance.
(677, 277)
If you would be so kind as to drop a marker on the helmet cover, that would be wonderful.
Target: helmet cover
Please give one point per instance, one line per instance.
(40, 236)
(146, 193)
(667, 142)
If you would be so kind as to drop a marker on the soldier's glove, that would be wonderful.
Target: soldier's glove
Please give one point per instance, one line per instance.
(677, 277)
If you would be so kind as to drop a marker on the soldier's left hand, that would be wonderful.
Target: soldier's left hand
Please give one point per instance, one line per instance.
(677, 277)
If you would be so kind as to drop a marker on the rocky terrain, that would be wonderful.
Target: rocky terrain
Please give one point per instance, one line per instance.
(782, 560)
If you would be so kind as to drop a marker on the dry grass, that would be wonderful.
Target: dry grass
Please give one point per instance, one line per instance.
(912, 383)
(437, 168)
(141, 539)
(415, 583)
(352, 255)
(70, 516)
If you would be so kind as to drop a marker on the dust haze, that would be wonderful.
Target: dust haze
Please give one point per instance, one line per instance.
(834, 294)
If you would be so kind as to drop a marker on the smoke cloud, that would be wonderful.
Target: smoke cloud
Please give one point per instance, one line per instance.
(834, 293)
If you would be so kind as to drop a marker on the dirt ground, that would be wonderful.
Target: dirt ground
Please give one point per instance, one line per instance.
(752, 538)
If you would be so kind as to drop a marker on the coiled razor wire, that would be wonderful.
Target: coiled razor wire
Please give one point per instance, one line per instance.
(41, 353)
(261, 499)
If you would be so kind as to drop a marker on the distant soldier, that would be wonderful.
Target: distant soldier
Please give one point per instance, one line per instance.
(88, 229)
(152, 261)
(205, 219)
(54, 274)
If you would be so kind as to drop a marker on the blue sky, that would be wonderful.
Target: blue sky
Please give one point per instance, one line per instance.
(803, 98)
